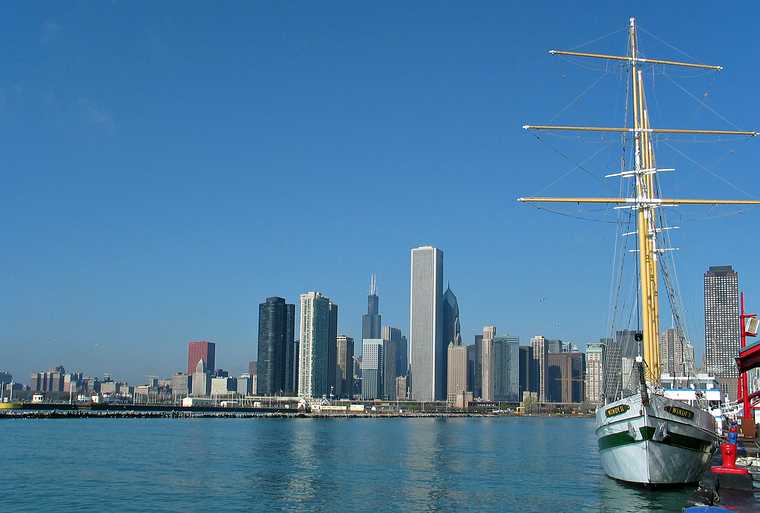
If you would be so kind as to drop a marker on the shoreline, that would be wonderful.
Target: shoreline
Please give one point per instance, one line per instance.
(53, 414)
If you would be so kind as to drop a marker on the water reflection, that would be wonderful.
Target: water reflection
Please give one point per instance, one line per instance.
(527, 465)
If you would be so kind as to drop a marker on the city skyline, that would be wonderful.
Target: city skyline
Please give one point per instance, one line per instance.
(95, 281)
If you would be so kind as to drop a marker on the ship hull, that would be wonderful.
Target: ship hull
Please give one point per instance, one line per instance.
(665, 442)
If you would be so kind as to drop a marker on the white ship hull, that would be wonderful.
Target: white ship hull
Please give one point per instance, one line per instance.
(666, 442)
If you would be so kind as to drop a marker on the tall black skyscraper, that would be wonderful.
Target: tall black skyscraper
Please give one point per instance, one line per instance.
(722, 329)
(332, 350)
(450, 311)
(371, 320)
(276, 331)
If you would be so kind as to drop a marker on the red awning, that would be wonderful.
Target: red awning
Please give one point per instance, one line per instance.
(749, 358)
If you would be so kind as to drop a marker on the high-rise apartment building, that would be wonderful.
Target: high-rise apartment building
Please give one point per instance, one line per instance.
(538, 343)
(201, 350)
(276, 333)
(486, 363)
(506, 369)
(371, 320)
(372, 368)
(722, 326)
(595, 363)
(457, 371)
(428, 351)
(313, 351)
(344, 367)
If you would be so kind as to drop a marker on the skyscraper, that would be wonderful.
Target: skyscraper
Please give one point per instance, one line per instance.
(506, 369)
(565, 377)
(201, 380)
(201, 350)
(395, 359)
(291, 351)
(314, 344)
(276, 329)
(428, 351)
(528, 369)
(624, 345)
(672, 352)
(450, 313)
(457, 371)
(372, 368)
(472, 365)
(344, 367)
(486, 363)
(538, 343)
(371, 320)
(332, 349)
(722, 326)
(595, 356)
(477, 388)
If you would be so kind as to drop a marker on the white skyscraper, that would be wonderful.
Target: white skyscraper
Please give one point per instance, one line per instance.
(314, 345)
(427, 348)
(486, 362)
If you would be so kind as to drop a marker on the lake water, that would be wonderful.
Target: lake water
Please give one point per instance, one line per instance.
(329, 465)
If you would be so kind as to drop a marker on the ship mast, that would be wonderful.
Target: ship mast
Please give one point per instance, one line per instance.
(646, 201)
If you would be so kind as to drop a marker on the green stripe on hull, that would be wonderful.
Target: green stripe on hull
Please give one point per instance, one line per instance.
(673, 439)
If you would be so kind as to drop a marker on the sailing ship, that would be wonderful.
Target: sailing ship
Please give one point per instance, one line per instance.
(646, 438)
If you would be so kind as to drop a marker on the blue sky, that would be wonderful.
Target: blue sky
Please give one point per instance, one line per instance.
(165, 167)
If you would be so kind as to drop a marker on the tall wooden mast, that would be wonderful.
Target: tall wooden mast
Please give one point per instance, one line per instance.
(646, 201)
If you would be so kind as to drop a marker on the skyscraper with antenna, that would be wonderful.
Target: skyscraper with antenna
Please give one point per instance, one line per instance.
(371, 320)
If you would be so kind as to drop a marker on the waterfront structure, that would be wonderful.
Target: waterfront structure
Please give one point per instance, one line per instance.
(201, 383)
(595, 363)
(672, 352)
(372, 319)
(372, 368)
(457, 371)
(486, 362)
(565, 377)
(428, 352)
(538, 344)
(253, 373)
(721, 286)
(201, 350)
(276, 333)
(344, 367)
(505, 369)
(314, 345)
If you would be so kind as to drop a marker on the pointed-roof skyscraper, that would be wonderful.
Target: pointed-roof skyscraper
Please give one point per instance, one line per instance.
(371, 320)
